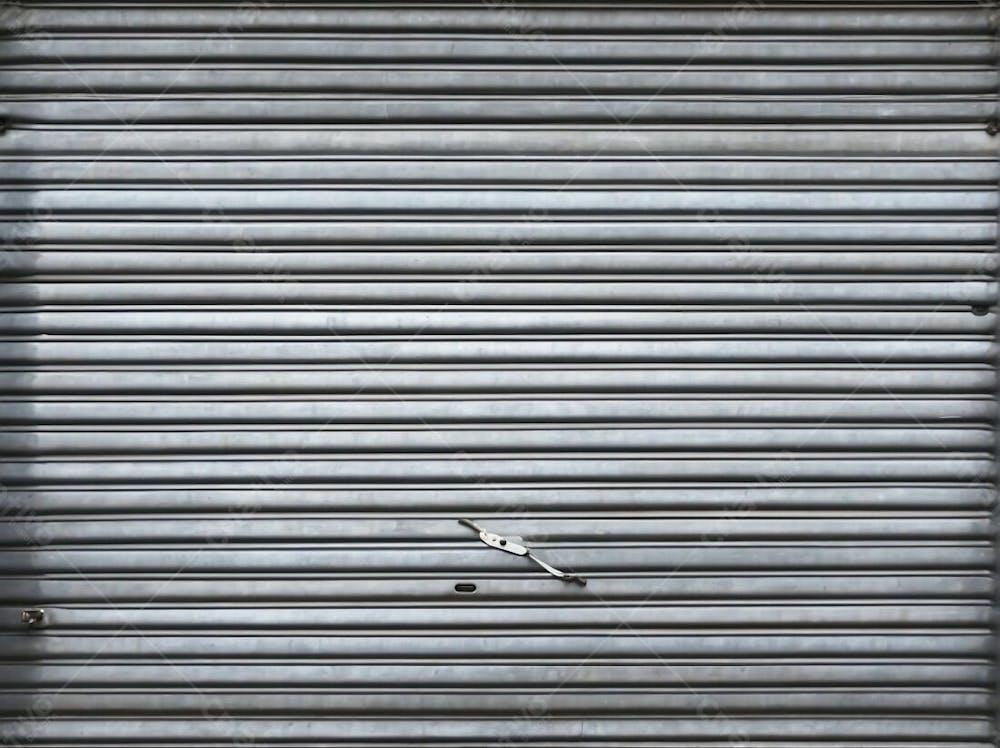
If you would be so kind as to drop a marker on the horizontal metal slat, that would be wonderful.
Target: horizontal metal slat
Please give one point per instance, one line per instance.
(590, 559)
(484, 676)
(532, 204)
(951, 140)
(713, 230)
(607, 467)
(425, 589)
(333, 440)
(635, 45)
(837, 646)
(482, 109)
(641, 18)
(546, 732)
(739, 260)
(287, 379)
(557, 77)
(250, 528)
(289, 322)
(28, 505)
(443, 293)
(390, 409)
(583, 617)
(568, 701)
(479, 350)
(471, 170)
(487, 677)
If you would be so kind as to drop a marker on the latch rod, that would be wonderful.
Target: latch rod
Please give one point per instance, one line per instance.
(510, 545)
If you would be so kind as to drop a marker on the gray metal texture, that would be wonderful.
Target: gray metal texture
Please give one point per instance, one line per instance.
(697, 299)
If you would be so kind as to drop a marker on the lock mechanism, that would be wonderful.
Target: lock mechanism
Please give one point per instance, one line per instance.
(510, 545)
(33, 616)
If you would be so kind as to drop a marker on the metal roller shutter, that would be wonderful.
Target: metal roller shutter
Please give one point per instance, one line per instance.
(698, 299)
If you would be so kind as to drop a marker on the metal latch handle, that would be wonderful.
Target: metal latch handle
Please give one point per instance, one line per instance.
(510, 545)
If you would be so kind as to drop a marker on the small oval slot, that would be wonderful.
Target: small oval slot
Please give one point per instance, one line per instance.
(465, 587)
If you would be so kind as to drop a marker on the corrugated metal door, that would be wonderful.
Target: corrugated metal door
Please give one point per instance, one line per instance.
(697, 299)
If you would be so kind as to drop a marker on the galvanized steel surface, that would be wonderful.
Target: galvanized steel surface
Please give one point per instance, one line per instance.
(697, 299)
